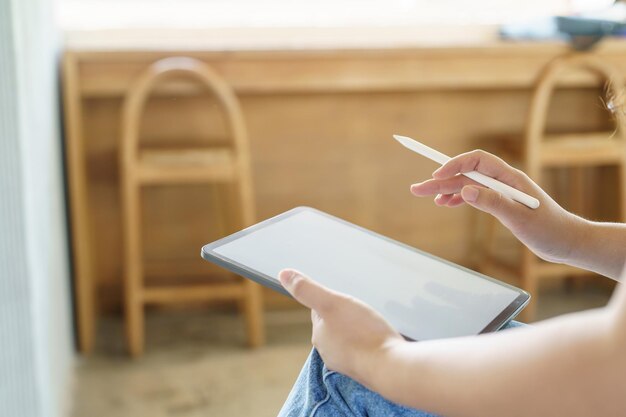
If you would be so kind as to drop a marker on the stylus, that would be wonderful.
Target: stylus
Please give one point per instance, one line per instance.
(492, 183)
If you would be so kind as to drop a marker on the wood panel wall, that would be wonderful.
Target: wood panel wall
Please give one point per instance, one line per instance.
(320, 129)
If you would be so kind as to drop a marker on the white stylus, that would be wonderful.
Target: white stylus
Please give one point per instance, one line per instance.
(494, 184)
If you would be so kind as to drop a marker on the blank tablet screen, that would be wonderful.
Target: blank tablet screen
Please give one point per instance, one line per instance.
(422, 296)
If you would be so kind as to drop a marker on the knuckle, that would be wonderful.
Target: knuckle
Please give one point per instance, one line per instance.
(523, 176)
(298, 288)
(474, 159)
(496, 201)
(477, 155)
(521, 179)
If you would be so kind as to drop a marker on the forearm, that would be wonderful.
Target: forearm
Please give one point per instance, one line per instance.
(567, 366)
(601, 248)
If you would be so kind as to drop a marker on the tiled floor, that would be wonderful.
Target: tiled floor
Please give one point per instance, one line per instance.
(196, 364)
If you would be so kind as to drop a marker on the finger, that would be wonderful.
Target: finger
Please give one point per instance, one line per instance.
(456, 200)
(450, 185)
(494, 203)
(307, 292)
(315, 317)
(481, 161)
(442, 199)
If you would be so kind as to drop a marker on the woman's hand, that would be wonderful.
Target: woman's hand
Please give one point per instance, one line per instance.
(347, 333)
(549, 231)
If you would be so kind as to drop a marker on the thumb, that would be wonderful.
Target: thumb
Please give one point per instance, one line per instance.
(494, 203)
(306, 291)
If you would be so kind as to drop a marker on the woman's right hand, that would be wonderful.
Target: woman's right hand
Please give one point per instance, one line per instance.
(549, 231)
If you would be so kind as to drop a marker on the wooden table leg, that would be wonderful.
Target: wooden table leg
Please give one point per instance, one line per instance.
(76, 173)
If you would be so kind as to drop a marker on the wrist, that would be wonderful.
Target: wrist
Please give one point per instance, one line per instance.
(600, 248)
(377, 364)
(580, 238)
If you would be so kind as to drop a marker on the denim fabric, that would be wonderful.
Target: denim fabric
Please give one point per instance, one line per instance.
(319, 392)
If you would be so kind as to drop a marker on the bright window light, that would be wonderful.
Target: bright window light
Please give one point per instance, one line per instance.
(100, 14)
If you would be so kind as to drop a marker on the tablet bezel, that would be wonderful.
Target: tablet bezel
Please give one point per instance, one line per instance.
(209, 254)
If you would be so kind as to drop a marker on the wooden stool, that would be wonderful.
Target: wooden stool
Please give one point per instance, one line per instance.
(574, 151)
(221, 166)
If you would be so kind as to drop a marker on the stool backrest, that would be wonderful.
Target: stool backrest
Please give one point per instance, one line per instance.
(157, 72)
(137, 97)
(547, 83)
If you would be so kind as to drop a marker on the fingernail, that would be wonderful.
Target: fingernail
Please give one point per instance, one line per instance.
(437, 171)
(469, 194)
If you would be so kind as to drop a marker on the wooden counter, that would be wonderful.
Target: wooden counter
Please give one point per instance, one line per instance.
(320, 124)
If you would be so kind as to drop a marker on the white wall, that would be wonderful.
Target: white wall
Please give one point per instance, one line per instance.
(36, 347)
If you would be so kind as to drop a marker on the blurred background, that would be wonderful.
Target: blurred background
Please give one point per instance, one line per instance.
(134, 132)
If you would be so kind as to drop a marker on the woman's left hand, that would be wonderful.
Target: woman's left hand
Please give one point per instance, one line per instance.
(349, 335)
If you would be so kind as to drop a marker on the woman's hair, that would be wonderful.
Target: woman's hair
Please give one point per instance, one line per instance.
(614, 100)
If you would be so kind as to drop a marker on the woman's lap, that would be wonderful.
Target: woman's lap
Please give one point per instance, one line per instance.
(322, 393)
(319, 392)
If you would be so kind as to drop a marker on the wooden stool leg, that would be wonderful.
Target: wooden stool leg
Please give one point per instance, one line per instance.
(134, 318)
(474, 248)
(251, 304)
(253, 314)
(530, 284)
(133, 270)
(576, 195)
(219, 192)
(621, 185)
(488, 240)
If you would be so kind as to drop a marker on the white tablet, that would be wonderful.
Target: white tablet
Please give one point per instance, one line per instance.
(422, 296)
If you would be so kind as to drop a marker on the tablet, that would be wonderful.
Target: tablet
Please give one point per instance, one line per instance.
(422, 296)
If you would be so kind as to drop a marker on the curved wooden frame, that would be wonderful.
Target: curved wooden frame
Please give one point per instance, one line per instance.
(137, 97)
(535, 141)
(541, 150)
(547, 83)
(130, 184)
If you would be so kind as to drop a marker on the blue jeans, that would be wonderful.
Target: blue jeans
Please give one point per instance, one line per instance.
(319, 392)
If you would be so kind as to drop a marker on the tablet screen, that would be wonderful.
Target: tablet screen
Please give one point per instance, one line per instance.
(422, 296)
